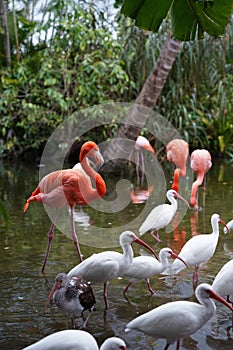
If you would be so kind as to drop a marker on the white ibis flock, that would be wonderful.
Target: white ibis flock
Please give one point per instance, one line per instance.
(73, 292)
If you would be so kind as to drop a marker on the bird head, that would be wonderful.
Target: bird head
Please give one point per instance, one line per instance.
(91, 151)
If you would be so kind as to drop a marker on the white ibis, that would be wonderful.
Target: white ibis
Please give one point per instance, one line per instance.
(177, 153)
(178, 319)
(73, 295)
(229, 226)
(223, 282)
(161, 215)
(199, 249)
(71, 339)
(103, 267)
(200, 163)
(69, 187)
(144, 267)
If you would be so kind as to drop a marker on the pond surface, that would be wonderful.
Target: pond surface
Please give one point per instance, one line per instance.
(24, 288)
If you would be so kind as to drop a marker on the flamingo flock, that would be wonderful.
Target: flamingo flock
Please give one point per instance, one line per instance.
(73, 291)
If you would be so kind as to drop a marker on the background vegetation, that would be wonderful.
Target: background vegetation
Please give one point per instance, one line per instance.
(69, 55)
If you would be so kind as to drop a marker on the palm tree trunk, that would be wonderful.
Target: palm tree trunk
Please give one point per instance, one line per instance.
(148, 97)
(4, 20)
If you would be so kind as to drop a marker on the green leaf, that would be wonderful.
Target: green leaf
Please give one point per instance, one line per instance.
(148, 14)
(189, 17)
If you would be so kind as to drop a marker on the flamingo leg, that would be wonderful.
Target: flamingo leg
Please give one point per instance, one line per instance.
(126, 288)
(137, 167)
(74, 235)
(166, 347)
(204, 184)
(50, 238)
(152, 292)
(106, 295)
(155, 236)
(143, 167)
(178, 344)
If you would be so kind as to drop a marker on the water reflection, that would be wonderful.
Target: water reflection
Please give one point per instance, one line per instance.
(24, 289)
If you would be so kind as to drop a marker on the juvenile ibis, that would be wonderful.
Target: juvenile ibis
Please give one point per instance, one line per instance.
(73, 295)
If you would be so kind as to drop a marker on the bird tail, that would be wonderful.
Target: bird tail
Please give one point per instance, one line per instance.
(26, 205)
(31, 198)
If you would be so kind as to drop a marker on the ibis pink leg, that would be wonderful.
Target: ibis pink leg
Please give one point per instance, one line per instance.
(152, 292)
(155, 236)
(126, 288)
(105, 294)
(50, 238)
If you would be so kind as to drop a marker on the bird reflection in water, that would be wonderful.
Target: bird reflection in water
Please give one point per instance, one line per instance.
(140, 195)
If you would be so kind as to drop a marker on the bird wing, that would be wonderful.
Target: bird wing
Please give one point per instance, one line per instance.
(158, 218)
(196, 251)
(99, 267)
(142, 267)
(170, 321)
(223, 282)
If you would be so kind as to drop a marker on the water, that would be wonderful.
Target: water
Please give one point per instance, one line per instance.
(24, 288)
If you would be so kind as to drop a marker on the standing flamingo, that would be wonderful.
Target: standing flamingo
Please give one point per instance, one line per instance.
(73, 295)
(178, 319)
(103, 267)
(140, 145)
(177, 153)
(71, 339)
(69, 187)
(199, 249)
(161, 215)
(201, 164)
(144, 267)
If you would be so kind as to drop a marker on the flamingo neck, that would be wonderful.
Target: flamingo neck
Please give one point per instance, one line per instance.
(95, 177)
(175, 184)
(195, 185)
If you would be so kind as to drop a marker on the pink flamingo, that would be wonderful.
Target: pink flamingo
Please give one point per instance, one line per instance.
(69, 187)
(177, 153)
(200, 164)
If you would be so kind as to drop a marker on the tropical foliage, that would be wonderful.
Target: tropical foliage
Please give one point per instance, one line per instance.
(74, 55)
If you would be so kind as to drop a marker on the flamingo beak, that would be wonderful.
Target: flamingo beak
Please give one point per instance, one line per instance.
(224, 224)
(55, 287)
(145, 245)
(220, 299)
(183, 199)
(97, 157)
(174, 256)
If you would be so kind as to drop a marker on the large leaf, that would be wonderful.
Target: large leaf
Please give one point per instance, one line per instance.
(189, 17)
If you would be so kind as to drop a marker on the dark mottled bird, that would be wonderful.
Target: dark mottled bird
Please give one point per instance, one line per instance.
(73, 295)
